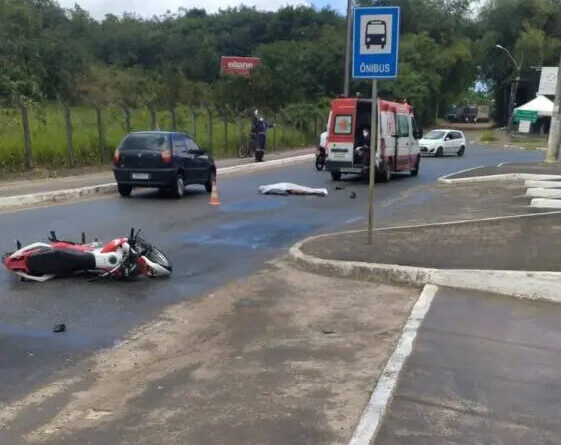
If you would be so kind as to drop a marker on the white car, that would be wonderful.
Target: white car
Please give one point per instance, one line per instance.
(441, 142)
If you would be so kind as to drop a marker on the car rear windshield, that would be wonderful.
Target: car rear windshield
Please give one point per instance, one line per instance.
(434, 135)
(152, 142)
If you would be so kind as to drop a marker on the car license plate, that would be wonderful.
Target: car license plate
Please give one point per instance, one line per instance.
(350, 170)
(140, 176)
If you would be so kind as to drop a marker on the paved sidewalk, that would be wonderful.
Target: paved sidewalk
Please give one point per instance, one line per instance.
(24, 187)
(484, 370)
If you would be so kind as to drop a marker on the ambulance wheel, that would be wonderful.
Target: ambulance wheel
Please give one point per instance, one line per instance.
(386, 173)
(415, 171)
(336, 176)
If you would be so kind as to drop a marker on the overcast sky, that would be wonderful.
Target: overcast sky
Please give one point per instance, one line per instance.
(149, 8)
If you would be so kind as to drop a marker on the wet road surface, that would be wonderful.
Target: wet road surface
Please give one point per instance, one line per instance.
(208, 247)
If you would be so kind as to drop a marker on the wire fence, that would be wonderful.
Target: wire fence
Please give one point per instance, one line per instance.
(220, 132)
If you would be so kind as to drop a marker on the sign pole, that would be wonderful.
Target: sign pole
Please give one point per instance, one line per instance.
(372, 166)
(375, 56)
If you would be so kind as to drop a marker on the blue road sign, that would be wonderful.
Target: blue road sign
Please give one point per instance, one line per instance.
(375, 42)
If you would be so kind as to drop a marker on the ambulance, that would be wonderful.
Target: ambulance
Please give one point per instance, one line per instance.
(348, 140)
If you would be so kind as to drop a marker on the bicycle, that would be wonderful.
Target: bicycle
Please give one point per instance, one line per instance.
(247, 150)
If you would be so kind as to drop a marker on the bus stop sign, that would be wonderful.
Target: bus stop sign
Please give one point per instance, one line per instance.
(375, 42)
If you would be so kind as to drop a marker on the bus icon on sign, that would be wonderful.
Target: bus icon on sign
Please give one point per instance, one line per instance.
(376, 33)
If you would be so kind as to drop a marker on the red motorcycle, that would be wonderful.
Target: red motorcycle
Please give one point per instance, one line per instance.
(119, 258)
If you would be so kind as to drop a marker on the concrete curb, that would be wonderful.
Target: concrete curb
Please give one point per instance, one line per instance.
(543, 193)
(525, 148)
(258, 166)
(537, 285)
(17, 202)
(499, 177)
(545, 203)
(22, 201)
(542, 184)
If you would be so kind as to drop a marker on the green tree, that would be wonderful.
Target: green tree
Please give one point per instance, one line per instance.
(128, 87)
(20, 64)
(64, 63)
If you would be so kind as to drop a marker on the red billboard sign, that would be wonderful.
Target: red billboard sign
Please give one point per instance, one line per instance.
(238, 66)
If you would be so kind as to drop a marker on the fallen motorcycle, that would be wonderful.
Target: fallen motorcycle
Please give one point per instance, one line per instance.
(119, 258)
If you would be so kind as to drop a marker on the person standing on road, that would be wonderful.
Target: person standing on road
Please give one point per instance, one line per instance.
(259, 127)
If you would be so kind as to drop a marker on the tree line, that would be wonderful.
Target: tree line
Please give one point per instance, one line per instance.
(49, 53)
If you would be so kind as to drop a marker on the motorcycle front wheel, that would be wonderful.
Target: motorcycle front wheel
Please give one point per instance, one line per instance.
(320, 163)
(156, 256)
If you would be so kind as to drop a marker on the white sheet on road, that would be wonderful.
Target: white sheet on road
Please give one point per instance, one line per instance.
(287, 188)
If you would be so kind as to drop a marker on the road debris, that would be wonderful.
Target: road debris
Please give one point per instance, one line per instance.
(287, 188)
(59, 328)
(352, 195)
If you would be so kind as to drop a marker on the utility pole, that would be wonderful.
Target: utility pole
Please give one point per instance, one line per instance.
(348, 49)
(554, 138)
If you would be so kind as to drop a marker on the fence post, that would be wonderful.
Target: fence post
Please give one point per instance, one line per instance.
(316, 132)
(67, 127)
(273, 145)
(291, 132)
(194, 119)
(225, 129)
(100, 132)
(240, 131)
(27, 150)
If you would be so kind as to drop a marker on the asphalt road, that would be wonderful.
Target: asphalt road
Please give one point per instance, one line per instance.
(208, 246)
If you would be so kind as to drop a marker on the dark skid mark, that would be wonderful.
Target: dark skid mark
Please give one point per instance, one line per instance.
(270, 233)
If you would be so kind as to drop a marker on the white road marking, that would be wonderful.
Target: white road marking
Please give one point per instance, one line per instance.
(544, 203)
(543, 193)
(543, 184)
(373, 414)
(353, 220)
(460, 171)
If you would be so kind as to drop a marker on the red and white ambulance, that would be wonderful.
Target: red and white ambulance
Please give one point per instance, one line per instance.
(348, 141)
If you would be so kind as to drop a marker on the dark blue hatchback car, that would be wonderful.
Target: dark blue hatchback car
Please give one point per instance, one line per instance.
(164, 160)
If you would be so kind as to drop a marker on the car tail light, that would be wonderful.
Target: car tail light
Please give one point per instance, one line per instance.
(166, 156)
(116, 157)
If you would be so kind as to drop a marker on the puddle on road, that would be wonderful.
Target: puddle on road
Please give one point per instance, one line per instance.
(258, 205)
(261, 234)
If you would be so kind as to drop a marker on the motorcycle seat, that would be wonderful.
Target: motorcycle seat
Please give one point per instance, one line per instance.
(59, 262)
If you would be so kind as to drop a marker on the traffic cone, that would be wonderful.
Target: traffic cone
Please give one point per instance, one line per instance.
(214, 201)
